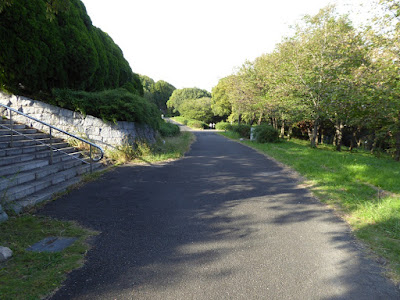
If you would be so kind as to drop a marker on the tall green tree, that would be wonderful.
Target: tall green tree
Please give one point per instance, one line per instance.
(323, 52)
(197, 109)
(180, 95)
(220, 103)
(157, 92)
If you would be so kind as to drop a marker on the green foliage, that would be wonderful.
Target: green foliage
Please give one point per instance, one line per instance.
(336, 79)
(242, 129)
(197, 109)
(173, 147)
(265, 134)
(180, 95)
(157, 92)
(197, 124)
(223, 126)
(65, 52)
(190, 122)
(168, 129)
(220, 103)
(111, 105)
(181, 120)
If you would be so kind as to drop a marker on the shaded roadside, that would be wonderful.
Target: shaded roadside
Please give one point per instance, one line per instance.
(224, 222)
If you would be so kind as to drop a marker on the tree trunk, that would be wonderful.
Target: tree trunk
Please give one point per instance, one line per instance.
(290, 132)
(275, 123)
(240, 119)
(260, 119)
(252, 120)
(314, 134)
(375, 142)
(339, 135)
(353, 142)
(309, 132)
(322, 136)
(317, 136)
(282, 135)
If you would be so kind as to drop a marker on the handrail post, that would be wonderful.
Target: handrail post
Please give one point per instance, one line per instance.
(91, 160)
(11, 131)
(51, 147)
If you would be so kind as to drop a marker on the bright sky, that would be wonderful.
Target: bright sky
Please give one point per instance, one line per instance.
(195, 43)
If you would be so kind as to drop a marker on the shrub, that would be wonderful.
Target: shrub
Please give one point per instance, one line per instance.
(266, 134)
(110, 105)
(242, 129)
(67, 52)
(168, 129)
(197, 124)
(223, 126)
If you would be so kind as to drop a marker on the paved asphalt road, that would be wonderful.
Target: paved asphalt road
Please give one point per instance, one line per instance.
(223, 223)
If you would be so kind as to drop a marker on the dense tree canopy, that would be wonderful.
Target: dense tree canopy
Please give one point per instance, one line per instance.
(328, 80)
(180, 95)
(197, 109)
(157, 92)
(39, 54)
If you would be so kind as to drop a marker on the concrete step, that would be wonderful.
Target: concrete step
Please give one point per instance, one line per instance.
(23, 131)
(15, 126)
(33, 155)
(29, 149)
(27, 176)
(34, 164)
(21, 167)
(17, 137)
(21, 191)
(25, 143)
(46, 194)
(5, 121)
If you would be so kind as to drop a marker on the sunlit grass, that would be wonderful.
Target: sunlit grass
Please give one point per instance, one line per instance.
(362, 187)
(33, 275)
(164, 149)
(169, 148)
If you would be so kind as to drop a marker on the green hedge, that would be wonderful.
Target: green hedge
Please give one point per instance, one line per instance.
(242, 129)
(223, 126)
(111, 105)
(266, 134)
(68, 52)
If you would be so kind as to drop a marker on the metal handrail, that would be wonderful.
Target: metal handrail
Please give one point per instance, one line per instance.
(51, 127)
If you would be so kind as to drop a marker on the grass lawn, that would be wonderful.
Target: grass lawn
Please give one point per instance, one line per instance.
(164, 149)
(168, 148)
(32, 275)
(194, 124)
(365, 189)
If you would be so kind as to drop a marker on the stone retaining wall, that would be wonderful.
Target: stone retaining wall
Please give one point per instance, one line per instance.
(106, 135)
(3, 215)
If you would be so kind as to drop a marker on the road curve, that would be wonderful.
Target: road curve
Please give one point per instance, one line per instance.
(225, 222)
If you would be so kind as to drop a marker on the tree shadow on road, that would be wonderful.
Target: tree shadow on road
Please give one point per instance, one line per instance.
(193, 222)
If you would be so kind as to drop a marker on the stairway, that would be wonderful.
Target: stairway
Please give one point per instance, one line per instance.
(27, 175)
